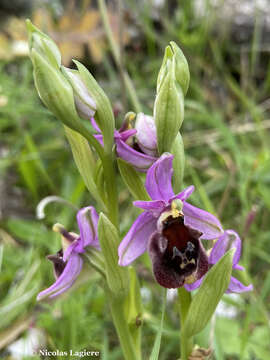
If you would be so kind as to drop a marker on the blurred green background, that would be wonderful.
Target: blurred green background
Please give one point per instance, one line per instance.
(226, 136)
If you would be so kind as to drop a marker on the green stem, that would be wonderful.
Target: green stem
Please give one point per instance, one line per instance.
(111, 187)
(184, 304)
(116, 55)
(122, 328)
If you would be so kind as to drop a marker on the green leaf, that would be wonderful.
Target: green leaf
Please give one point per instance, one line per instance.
(209, 294)
(155, 351)
(132, 180)
(32, 168)
(32, 232)
(85, 162)
(117, 276)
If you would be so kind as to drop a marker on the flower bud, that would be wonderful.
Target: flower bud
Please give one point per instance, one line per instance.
(181, 68)
(104, 114)
(168, 110)
(172, 85)
(44, 45)
(55, 91)
(85, 104)
(174, 55)
(167, 59)
(146, 134)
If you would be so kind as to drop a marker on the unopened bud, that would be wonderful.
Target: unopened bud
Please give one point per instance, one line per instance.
(172, 85)
(174, 56)
(168, 111)
(104, 114)
(43, 44)
(55, 91)
(146, 134)
(85, 104)
(181, 68)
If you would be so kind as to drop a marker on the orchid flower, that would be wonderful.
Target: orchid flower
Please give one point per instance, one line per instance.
(136, 146)
(171, 230)
(68, 262)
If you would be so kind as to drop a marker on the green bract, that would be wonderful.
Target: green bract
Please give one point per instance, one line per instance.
(117, 277)
(85, 162)
(209, 294)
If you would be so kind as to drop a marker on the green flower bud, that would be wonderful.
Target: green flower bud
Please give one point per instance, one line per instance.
(181, 68)
(85, 104)
(174, 56)
(167, 60)
(55, 91)
(172, 85)
(168, 109)
(43, 44)
(104, 115)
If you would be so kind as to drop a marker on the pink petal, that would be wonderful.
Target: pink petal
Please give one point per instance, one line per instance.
(66, 279)
(155, 206)
(87, 219)
(228, 240)
(126, 134)
(202, 221)
(238, 287)
(95, 125)
(146, 134)
(135, 242)
(195, 285)
(183, 195)
(140, 161)
(158, 179)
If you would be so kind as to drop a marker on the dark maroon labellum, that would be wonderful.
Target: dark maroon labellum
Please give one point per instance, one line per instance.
(182, 249)
(176, 253)
(58, 263)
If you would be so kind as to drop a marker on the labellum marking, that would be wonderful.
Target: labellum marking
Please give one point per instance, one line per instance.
(182, 250)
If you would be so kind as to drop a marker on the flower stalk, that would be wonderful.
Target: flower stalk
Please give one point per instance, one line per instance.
(122, 327)
(186, 344)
